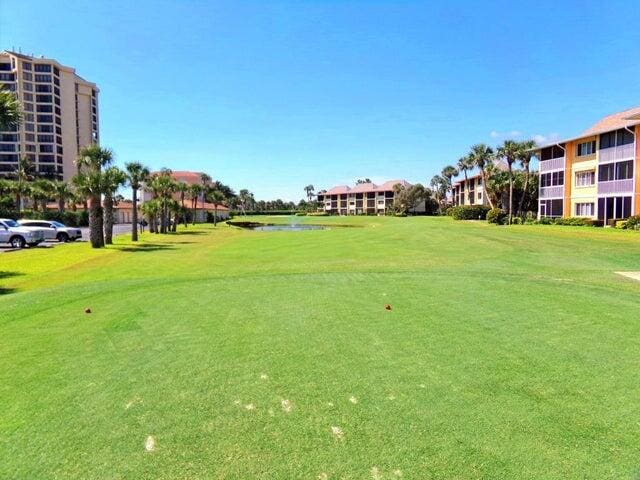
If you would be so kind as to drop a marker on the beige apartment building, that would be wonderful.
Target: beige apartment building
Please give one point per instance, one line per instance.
(60, 115)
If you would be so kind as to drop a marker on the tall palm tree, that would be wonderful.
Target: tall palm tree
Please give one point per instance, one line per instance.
(63, 192)
(448, 173)
(309, 189)
(216, 197)
(10, 110)
(23, 173)
(464, 165)
(245, 197)
(91, 160)
(194, 193)
(112, 179)
(439, 186)
(42, 190)
(137, 174)
(205, 181)
(481, 156)
(525, 157)
(162, 186)
(182, 188)
(151, 210)
(510, 150)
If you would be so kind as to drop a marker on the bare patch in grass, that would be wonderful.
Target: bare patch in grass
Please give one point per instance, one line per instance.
(353, 399)
(286, 406)
(631, 275)
(150, 444)
(337, 433)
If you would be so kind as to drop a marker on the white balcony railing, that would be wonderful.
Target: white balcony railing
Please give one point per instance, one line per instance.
(616, 186)
(552, 192)
(553, 164)
(623, 152)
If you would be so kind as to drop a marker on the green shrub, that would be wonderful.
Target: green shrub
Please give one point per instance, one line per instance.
(469, 212)
(633, 223)
(301, 214)
(575, 222)
(497, 216)
(449, 211)
(399, 214)
(516, 221)
(318, 214)
(545, 221)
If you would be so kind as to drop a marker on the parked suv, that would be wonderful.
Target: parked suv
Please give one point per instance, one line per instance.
(17, 236)
(54, 230)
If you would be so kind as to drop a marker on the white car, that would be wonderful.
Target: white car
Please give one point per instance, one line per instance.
(53, 230)
(14, 234)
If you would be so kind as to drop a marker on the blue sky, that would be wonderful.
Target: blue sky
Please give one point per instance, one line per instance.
(272, 96)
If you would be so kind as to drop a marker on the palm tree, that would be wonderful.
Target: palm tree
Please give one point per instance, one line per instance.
(448, 173)
(245, 197)
(439, 186)
(91, 160)
(162, 186)
(23, 173)
(182, 188)
(216, 197)
(481, 156)
(309, 189)
(464, 164)
(62, 192)
(10, 110)
(151, 210)
(194, 193)
(510, 150)
(137, 174)
(112, 179)
(526, 155)
(205, 181)
(41, 191)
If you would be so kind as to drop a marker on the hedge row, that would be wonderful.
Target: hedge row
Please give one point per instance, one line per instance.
(69, 218)
(469, 212)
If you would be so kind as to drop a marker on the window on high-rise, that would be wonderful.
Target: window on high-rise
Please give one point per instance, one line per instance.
(43, 78)
(585, 179)
(40, 67)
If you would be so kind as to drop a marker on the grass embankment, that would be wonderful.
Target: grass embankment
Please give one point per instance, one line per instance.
(508, 353)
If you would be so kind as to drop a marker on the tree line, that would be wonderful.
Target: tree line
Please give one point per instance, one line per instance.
(501, 187)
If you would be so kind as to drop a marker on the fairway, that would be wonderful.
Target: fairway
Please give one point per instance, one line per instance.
(508, 352)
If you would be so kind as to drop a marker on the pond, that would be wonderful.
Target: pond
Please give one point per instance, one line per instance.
(274, 227)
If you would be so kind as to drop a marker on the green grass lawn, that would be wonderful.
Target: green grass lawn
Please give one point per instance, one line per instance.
(509, 353)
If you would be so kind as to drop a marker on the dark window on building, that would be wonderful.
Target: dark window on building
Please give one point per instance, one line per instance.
(586, 148)
(43, 78)
(59, 140)
(45, 128)
(59, 150)
(45, 118)
(551, 208)
(26, 66)
(27, 76)
(28, 87)
(30, 147)
(29, 137)
(56, 71)
(47, 158)
(46, 148)
(7, 147)
(624, 170)
(44, 98)
(58, 111)
(45, 138)
(56, 90)
(43, 88)
(7, 77)
(45, 108)
(29, 127)
(9, 137)
(606, 172)
(619, 137)
(8, 157)
(5, 67)
(551, 152)
(39, 67)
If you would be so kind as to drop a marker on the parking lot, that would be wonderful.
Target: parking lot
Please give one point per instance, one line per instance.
(118, 229)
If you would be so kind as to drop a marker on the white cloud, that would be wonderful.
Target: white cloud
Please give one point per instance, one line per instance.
(542, 139)
(505, 135)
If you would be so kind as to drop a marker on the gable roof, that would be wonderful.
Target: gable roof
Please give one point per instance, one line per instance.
(615, 121)
(366, 187)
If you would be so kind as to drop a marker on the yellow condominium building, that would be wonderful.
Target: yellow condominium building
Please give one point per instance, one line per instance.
(594, 175)
(60, 115)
